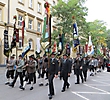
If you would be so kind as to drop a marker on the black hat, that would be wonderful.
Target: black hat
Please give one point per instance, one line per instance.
(53, 53)
(12, 56)
(32, 56)
(65, 55)
(20, 55)
(78, 53)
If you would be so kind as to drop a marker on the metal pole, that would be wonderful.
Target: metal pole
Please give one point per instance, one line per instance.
(8, 21)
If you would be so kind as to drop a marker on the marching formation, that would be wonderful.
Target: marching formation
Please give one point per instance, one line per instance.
(50, 67)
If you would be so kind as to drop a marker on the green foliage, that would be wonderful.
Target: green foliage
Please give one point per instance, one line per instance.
(64, 12)
(98, 32)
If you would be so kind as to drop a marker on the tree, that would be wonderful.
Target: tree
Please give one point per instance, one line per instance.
(98, 32)
(64, 12)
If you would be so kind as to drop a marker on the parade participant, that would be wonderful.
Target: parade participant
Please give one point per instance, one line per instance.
(10, 69)
(95, 65)
(78, 68)
(65, 70)
(44, 70)
(30, 67)
(53, 72)
(19, 71)
(91, 64)
(85, 64)
(40, 65)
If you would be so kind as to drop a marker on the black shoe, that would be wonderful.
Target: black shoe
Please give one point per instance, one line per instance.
(63, 90)
(46, 78)
(41, 84)
(77, 83)
(38, 77)
(21, 87)
(34, 83)
(50, 96)
(68, 86)
(31, 88)
(85, 79)
(11, 85)
(7, 83)
(29, 83)
(46, 84)
(82, 81)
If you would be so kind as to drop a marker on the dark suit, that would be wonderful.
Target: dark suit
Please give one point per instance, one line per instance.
(85, 64)
(52, 71)
(65, 69)
(78, 71)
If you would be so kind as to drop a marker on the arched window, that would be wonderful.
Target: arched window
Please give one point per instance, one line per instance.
(31, 43)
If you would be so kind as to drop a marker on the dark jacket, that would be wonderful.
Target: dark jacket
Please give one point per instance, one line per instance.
(85, 65)
(77, 64)
(53, 66)
(65, 66)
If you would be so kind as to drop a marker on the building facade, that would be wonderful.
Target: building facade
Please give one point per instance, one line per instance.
(33, 12)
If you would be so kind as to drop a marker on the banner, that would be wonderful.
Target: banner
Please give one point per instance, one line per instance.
(6, 44)
(13, 43)
(26, 50)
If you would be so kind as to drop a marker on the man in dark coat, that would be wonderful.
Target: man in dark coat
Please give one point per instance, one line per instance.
(85, 64)
(78, 68)
(65, 70)
(53, 72)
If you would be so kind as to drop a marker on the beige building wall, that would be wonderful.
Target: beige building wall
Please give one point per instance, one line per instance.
(29, 11)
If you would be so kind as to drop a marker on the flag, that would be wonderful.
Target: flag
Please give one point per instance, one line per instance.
(60, 45)
(90, 47)
(13, 43)
(6, 44)
(38, 46)
(23, 26)
(26, 50)
(75, 35)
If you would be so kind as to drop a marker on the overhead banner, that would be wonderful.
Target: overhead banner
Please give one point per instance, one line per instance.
(6, 44)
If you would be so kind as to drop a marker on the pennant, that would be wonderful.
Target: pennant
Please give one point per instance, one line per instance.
(6, 44)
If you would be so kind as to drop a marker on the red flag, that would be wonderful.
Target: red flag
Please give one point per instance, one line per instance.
(23, 25)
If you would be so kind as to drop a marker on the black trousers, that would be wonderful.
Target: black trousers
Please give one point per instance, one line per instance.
(20, 74)
(51, 86)
(85, 74)
(65, 79)
(77, 75)
(10, 73)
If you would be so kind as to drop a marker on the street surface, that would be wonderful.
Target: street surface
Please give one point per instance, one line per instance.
(96, 88)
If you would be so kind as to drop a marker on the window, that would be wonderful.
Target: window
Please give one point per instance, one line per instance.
(30, 3)
(20, 17)
(0, 14)
(30, 24)
(31, 43)
(20, 43)
(39, 7)
(39, 27)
